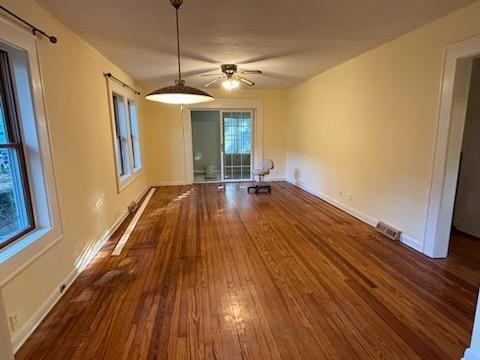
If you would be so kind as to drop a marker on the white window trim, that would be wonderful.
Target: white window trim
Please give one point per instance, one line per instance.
(124, 180)
(48, 231)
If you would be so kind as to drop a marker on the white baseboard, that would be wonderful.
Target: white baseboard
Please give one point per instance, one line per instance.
(411, 242)
(357, 214)
(274, 178)
(31, 324)
(182, 182)
(170, 183)
(19, 337)
(404, 238)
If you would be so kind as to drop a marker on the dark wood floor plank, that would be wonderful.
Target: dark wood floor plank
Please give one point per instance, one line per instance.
(211, 272)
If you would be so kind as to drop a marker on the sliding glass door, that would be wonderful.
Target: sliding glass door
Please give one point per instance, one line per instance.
(222, 145)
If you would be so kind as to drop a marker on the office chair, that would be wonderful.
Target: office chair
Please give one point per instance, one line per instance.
(267, 165)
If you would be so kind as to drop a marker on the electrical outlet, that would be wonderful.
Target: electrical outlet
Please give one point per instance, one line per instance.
(13, 321)
(350, 197)
(340, 193)
(116, 214)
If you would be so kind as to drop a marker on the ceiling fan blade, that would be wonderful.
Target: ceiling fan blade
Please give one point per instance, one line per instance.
(245, 81)
(212, 82)
(251, 72)
(211, 74)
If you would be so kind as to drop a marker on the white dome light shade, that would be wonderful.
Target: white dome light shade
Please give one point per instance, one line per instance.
(180, 95)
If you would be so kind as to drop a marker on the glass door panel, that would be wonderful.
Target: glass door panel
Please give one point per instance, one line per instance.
(237, 145)
(206, 145)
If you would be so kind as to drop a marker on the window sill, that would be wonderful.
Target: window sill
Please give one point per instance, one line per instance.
(122, 183)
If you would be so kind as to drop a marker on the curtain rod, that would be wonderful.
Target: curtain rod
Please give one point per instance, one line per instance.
(110, 76)
(35, 30)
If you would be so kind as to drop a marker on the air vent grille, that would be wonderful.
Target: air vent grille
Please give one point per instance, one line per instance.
(132, 207)
(388, 230)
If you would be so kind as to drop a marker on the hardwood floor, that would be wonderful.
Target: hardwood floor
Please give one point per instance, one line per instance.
(215, 273)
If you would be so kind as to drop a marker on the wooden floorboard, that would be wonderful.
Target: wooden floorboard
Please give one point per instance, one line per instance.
(215, 273)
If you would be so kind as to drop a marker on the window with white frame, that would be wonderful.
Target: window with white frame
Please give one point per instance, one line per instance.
(16, 217)
(125, 134)
(29, 216)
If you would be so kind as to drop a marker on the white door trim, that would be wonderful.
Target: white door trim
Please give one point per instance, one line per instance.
(453, 104)
(255, 105)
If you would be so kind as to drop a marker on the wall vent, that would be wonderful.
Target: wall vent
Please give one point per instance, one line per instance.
(132, 207)
(388, 231)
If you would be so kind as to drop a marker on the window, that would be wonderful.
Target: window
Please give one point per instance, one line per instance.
(29, 215)
(16, 217)
(125, 135)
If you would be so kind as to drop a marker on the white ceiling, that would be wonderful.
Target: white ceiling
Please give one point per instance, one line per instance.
(289, 40)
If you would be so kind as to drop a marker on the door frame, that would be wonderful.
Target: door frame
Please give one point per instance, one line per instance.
(453, 106)
(253, 105)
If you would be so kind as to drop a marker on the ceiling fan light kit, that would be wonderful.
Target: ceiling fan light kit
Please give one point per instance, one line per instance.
(179, 93)
(230, 84)
(230, 78)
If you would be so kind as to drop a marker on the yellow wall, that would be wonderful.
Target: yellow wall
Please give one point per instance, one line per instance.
(367, 127)
(79, 124)
(165, 139)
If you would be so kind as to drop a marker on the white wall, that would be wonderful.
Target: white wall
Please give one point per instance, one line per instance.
(467, 203)
(363, 133)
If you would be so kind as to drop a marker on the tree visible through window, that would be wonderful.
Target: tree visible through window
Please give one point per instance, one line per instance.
(15, 204)
(237, 132)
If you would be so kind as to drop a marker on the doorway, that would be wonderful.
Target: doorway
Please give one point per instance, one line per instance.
(221, 145)
(448, 148)
(252, 106)
(467, 200)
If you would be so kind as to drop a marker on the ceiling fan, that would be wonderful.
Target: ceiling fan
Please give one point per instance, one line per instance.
(231, 78)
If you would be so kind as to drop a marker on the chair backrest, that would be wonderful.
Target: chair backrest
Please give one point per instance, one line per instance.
(267, 164)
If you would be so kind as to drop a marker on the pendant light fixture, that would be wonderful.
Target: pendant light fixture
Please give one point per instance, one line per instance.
(179, 93)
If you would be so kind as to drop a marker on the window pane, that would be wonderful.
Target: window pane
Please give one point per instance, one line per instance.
(137, 161)
(14, 214)
(15, 206)
(121, 144)
(133, 118)
(3, 126)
